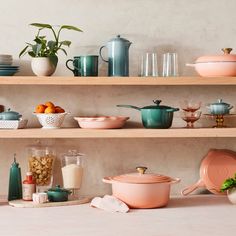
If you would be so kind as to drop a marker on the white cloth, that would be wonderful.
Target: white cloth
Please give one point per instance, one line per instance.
(109, 203)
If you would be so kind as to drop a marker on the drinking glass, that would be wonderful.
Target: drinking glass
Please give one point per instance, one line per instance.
(170, 65)
(149, 65)
(190, 117)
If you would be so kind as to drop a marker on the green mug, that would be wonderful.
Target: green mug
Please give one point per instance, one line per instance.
(84, 65)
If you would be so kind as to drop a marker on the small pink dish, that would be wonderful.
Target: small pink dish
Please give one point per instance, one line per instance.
(101, 122)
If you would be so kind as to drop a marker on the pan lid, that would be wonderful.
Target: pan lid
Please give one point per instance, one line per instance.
(226, 57)
(141, 177)
(156, 106)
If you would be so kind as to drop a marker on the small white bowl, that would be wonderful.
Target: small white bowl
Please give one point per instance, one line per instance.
(51, 120)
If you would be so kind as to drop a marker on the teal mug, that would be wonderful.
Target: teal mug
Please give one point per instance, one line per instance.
(84, 65)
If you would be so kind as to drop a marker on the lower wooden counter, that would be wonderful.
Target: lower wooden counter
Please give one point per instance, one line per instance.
(203, 215)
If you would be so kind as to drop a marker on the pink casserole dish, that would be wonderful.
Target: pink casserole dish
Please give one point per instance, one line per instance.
(101, 122)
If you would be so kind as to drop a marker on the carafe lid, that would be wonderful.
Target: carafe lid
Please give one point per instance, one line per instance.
(119, 39)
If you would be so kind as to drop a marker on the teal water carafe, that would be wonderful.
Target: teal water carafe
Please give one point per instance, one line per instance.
(15, 184)
(118, 56)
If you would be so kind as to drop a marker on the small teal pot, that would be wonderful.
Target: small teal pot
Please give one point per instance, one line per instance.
(58, 194)
(10, 115)
(155, 116)
(219, 107)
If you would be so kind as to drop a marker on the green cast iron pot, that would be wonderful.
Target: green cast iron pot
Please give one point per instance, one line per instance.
(155, 116)
(58, 194)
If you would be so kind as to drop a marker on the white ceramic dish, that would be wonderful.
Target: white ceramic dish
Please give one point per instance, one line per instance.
(13, 124)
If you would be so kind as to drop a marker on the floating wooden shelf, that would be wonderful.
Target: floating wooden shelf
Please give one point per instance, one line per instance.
(120, 133)
(66, 80)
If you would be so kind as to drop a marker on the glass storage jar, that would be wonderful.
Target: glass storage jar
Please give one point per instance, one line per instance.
(41, 161)
(72, 164)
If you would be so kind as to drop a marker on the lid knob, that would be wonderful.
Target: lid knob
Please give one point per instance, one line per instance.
(157, 102)
(227, 50)
(141, 169)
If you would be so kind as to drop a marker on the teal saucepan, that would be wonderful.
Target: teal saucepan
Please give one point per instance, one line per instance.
(155, 116)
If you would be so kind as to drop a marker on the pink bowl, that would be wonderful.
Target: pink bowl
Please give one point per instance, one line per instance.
(101, 122)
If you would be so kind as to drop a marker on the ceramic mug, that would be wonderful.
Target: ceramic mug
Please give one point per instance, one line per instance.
(84, 65)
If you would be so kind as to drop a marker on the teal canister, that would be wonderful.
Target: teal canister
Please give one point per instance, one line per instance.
(15, 184)
(118, 56)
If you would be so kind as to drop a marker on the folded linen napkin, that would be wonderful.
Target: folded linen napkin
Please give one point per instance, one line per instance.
(109, 203)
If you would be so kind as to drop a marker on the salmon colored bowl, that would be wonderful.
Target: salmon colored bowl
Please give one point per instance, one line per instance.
(140, 190)
(101, 122)
(218, 65)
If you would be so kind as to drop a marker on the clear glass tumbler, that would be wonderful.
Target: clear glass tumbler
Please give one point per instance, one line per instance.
(149, 65)
(170, 65)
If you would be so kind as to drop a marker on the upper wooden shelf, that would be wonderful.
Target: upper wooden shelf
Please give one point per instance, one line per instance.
(65, 80)
(120, 133)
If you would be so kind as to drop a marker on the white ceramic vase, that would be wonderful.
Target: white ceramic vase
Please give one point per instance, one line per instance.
(231, 193)
(42, 66)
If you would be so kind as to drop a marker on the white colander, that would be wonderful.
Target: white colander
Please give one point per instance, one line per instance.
(51, 120)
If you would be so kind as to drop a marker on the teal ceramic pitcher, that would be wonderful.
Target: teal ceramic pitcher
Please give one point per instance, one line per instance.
(118, 56)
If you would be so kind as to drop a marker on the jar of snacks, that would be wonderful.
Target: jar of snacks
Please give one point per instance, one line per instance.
(41, 161)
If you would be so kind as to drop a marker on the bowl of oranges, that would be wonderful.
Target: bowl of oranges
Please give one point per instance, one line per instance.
(50, 116)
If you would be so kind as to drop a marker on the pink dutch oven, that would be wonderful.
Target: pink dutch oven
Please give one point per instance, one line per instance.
(218, 65)
(140, 190)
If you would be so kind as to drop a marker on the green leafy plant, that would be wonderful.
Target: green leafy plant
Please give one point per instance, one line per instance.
(228, 184)
(41, 47)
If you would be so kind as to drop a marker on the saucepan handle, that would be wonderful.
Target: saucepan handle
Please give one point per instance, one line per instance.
(129, 106)
(107, 180)
(193, 187)
(189, 64)
(176, 180)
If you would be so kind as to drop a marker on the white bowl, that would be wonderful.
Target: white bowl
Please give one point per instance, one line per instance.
(51, 120)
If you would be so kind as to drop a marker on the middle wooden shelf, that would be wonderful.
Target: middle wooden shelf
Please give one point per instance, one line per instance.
(120, 133)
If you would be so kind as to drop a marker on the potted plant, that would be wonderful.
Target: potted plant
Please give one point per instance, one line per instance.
(229, 185)
(44, 52)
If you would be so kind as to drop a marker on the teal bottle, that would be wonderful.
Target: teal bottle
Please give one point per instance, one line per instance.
(15, 184)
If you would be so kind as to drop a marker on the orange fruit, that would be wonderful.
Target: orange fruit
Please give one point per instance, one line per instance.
(40, 108)
(49, 104)
(50, 110)
(59, 109)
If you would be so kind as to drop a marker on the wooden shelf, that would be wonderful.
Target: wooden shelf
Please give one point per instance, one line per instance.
(175, 81)
(120, 133)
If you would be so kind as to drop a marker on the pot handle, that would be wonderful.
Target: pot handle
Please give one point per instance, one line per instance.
(193, 187)
(189, 64)
(107, 180)
(129, 106)
(230, 107)
(175, 180)
(100, 53)
(172, 109)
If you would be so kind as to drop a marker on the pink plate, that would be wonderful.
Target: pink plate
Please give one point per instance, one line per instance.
(101, 122)
(216, 166)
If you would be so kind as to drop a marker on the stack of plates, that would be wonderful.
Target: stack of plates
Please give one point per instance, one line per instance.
(6, 68)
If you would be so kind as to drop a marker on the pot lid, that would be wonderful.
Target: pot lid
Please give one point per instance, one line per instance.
(59, 189)
(226, 57)
(220, 103)
(141, 177)
(157, 106)
(9, 112)
(119, 39)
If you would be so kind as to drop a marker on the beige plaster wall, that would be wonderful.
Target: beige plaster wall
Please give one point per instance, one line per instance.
(190, 28)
